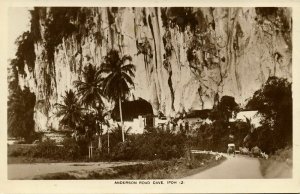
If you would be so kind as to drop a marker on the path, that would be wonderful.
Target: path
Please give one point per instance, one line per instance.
(238, 167)
(28, 171)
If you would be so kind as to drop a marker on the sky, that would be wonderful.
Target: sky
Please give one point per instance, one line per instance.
(19, 22)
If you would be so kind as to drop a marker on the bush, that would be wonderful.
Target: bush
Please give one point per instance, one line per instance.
(123, 151)
(48, 149)
(153, 144)
(70, 150)
(19, 150)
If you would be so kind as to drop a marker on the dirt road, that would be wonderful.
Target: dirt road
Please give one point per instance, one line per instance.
(28, 171)
(238, 167)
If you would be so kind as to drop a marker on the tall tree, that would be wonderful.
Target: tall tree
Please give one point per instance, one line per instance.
(118, 74)
(223, 111)
(20, 113)
(70, 110)
(275, 103)
(90, 94)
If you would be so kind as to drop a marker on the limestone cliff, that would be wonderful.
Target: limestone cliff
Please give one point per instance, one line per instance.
(186, 58)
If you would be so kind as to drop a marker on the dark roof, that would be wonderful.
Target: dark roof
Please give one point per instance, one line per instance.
(203, 114)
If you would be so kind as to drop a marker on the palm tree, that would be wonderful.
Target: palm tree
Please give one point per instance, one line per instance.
(90, 93)
(70, 110)
(118, 74)
(89, 89)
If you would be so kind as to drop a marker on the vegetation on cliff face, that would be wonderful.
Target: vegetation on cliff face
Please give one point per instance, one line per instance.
(273, 20)
(58, 27)
(25, 54)
(181, 16)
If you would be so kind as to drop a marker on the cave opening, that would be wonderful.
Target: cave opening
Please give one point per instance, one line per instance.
(133, 109)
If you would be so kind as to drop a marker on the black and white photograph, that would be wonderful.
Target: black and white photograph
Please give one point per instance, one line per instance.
(149, 93)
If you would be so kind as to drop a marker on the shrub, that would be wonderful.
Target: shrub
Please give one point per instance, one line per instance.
(19, 150)
(72, 149)
(48, 149)
(123, 151)
(153, 144)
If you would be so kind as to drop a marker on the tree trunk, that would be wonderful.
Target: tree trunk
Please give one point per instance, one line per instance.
(107, 141)
(100, 138)
(99, 143)
(121, 117)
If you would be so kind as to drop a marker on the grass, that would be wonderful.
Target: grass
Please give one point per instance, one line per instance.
(157, 169)
(29, 160)
(23, 154)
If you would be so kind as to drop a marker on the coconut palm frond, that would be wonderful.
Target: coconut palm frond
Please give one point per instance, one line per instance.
(89, 89)
(119, 75)
(70, 110)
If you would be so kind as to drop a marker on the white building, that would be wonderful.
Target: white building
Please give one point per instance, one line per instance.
(253, 116)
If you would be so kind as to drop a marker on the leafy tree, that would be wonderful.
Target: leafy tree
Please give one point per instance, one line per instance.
(70, 110)
(12, 76)
(20, 114)
(224, 109)
(274, 102)
(118, 77)
(90, 93)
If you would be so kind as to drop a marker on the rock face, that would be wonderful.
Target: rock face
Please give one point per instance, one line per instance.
(186, 58)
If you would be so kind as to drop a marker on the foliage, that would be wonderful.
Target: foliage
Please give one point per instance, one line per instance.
(17, 150)
(266, 11)
(47, 149)
(274, 102)
(224, 109)
(89, 89)
(90, 93)
(59, 26)
(70, 110)
(274, 20)
(118, 75)
(182, 16)
(144, 48)
(35, 24)
(73, 149)
(25, 52)
(70, 150)
(12, 76)
(215, 136)
(154, 144)
(20, 114)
